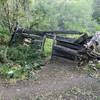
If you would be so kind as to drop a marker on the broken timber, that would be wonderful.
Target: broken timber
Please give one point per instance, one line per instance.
(28, 33)
(69, 48)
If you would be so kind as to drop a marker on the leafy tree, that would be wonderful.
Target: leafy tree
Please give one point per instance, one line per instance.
(47, 14)
(11, 12)
(96, 14)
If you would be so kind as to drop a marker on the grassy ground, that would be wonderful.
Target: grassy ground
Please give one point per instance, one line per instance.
(48, 47)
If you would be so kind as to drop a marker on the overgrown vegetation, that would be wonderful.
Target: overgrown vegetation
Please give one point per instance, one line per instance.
(18, 62)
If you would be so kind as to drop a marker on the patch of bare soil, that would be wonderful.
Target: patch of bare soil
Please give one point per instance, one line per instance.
(55, 81)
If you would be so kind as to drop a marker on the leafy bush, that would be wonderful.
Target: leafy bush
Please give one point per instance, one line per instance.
(4, 39)
(92, 69)
(3, 51)
(97, 28)
(18, 62)
(15, 71)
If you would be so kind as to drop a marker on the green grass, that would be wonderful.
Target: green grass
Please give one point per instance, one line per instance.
(48, 47)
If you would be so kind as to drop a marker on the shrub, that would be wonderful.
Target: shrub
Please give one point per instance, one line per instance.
(16, 72)
(4, 36)
(18, 62)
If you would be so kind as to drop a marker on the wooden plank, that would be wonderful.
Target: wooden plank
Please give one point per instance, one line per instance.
(70, 45)
(67, 50)
(54, 43)
(63, 54)
(63, 39)
(43, 43)
(29, 31)
(30, 35)
(81, 39)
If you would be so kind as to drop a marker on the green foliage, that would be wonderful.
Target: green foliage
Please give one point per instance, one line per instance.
(3, 70)
(96, 14)
(3, 52)
(14, 71)
(92, 69)
(98, 65)
(62, 15)
(48, 15)
(23, 54)
(48, 47)
(4, 36)
(18, 62)
(4, 39)
(97, 28)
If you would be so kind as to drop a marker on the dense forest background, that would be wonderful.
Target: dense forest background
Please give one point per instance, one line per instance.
(82, 15)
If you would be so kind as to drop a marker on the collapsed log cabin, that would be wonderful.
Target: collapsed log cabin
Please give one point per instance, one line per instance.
(65, 47)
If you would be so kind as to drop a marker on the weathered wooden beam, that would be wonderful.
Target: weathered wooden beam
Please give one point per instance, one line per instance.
(63, 54)
(32, 36)
(67, 50)
(63, 39)
(70, 45)
(29, 31)
(57, 54)
(81, 39)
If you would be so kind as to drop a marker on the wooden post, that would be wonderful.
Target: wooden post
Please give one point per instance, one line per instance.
(54, 43)
(43, 43)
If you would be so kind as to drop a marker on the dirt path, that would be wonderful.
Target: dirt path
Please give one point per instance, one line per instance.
(57, 81)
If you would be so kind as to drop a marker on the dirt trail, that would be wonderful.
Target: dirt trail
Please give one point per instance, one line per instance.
(53, 83)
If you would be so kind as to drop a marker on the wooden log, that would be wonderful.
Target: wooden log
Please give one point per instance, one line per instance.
(63, 39)
(70, 45)
(13, 38)
(81, 39)
(49, 34)
(29, 31)
(43, 43)
(30, 35)
(54, 43)
(63, 54)
(67, 50)
(69, 54)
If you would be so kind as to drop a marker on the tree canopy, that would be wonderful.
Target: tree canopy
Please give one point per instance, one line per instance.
(48, 14)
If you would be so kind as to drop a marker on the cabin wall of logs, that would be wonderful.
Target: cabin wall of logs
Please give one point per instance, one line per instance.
(36, 38)
(64, 47)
